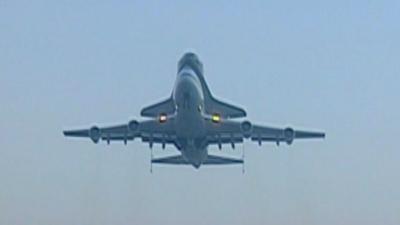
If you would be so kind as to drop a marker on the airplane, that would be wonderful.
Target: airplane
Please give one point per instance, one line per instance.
(192, 119)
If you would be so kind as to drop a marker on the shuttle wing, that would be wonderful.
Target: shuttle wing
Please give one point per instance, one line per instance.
(166, 107)
(226, 110)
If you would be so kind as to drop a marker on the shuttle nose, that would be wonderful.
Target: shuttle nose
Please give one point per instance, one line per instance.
(187, 91)
(189, 55)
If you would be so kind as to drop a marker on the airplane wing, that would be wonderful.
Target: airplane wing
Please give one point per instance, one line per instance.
(118, 132)
(150, 131)
(231, 132)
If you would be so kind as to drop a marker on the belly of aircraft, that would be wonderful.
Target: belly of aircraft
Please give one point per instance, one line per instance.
(189, 122)
(194, 156)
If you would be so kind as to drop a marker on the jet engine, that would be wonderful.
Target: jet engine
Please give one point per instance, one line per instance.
(246, 128)
(289, 135)
(95, 134)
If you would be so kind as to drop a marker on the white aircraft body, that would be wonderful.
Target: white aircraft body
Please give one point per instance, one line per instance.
(191, 119)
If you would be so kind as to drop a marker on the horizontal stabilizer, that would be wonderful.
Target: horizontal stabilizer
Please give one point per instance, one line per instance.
(219, 160)
(173, 160)
(211, 160)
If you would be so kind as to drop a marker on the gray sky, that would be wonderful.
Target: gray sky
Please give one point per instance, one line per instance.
(331, 66)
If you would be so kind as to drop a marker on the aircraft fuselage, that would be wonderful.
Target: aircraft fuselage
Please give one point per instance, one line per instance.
(189, 121)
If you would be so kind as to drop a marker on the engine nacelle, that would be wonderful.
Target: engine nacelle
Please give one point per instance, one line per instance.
(247, 129)
(95, 134)
(133, 126)
(289, 135)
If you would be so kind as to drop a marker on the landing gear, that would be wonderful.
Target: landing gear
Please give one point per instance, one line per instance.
(243, 168)
(151, 160)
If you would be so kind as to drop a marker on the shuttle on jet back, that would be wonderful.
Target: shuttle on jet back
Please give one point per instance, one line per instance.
(191, 119)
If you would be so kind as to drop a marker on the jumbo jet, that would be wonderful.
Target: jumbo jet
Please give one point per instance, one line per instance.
(192, 119)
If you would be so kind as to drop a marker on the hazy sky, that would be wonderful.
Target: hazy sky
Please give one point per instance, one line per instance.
(323, 65)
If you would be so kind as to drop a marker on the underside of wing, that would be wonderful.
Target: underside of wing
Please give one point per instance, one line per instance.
(220, 160)
(210, 160)
(118, 132)
(215, 106)
(172, 160)
(151, 131)
(231, 132)
(288, 135)
(166, 107)
(225, 110)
